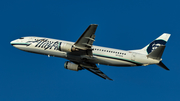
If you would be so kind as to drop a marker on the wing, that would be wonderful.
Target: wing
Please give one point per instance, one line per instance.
(94, 69)
(87, 38)
(85, 43)
(99, 73)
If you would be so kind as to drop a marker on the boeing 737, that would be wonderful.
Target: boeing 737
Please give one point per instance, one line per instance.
(82, 54)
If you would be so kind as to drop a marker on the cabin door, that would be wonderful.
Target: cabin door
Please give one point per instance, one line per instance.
(133, 57)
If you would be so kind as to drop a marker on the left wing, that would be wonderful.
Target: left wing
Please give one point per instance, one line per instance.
(87, 38)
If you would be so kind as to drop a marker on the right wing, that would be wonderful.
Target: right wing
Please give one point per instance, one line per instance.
(99, 73)
(94, 69)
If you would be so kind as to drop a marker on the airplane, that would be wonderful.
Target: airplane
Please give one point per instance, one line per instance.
(82, 54)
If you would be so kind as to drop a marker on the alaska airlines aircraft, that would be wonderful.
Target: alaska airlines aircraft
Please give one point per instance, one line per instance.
(84, 55)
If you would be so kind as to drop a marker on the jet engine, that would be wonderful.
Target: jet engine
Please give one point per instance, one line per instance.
(66, 47)
(72, 66)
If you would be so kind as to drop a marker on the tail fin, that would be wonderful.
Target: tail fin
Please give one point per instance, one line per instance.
(161, 40)
(156, 48)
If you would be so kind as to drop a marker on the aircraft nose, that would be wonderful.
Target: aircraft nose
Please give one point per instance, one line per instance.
(12, 42)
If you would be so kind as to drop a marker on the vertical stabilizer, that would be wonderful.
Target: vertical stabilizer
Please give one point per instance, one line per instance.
(156, 48)
(161, 40)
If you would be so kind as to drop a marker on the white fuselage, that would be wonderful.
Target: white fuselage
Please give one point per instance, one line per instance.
(101, 55)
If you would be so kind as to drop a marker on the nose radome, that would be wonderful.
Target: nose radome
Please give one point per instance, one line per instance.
(12, 42)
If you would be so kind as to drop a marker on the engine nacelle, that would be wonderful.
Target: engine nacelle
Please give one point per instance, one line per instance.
(66, 47)
(72, 66)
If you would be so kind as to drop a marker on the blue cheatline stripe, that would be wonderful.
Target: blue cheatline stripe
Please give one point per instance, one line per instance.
(59, 48)
(131, 61)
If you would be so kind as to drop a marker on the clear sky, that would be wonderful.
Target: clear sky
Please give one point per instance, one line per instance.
(123, 24)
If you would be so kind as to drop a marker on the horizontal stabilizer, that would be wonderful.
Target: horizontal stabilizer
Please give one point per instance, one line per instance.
(157, 53)
(162, 65)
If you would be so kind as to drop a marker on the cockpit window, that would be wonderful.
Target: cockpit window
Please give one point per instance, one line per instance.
(21, 38)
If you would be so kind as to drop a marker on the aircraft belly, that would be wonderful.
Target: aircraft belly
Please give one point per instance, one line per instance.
(74, 58)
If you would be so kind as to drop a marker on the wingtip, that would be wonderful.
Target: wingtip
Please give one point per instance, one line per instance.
(167, 34)
(109, 79)
(94, 24)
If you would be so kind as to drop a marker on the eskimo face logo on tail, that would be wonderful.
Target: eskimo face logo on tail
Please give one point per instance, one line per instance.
(155, 44)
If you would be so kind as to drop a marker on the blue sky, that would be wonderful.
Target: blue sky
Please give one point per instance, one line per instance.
(123, 24)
